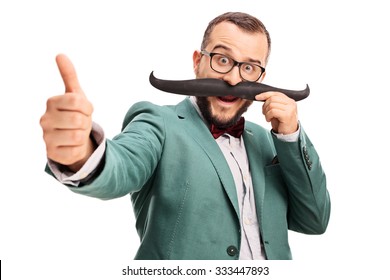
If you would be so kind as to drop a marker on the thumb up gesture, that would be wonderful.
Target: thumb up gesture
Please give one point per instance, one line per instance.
(67, 122)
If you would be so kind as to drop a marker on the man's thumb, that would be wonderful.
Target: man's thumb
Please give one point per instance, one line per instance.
(68, 74)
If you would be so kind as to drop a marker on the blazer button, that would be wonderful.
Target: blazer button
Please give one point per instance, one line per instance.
(232, 251)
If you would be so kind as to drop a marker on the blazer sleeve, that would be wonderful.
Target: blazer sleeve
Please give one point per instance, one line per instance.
(131, 157)
(309, 202)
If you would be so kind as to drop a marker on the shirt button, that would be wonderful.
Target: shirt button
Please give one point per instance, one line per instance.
(232, 251)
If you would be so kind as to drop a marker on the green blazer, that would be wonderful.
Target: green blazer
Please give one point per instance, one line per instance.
(183, 192)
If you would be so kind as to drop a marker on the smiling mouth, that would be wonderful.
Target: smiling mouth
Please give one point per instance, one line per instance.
(228, 98)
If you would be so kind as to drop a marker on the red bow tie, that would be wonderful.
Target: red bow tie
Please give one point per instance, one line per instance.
(234, 130)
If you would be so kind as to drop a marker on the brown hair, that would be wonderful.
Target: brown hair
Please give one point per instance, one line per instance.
(245, 21)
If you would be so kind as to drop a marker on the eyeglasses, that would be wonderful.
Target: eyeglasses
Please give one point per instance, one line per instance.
(223, 64)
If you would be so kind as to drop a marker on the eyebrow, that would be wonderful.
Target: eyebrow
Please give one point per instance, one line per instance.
(220, 46)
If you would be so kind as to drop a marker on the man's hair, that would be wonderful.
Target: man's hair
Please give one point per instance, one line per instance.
(244, 21)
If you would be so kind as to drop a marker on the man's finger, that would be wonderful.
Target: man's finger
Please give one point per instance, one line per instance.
(68, 74)
(265, 95)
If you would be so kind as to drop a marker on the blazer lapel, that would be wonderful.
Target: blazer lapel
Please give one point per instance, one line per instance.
(199, 131)
(256, 166)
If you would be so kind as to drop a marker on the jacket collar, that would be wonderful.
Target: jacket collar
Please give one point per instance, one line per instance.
(199, 131)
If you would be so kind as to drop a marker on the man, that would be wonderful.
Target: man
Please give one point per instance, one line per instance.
(196, 196)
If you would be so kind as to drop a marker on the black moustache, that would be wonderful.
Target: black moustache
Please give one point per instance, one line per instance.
(216, 87)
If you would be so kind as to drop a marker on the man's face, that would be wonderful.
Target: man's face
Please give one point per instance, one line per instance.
(228, 39)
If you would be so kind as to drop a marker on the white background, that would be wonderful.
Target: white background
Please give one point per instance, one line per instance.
(340, 48)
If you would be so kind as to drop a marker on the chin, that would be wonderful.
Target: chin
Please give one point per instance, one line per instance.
(224, 119)
(221, 114)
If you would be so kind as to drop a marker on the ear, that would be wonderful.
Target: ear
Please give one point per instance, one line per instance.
(196, 56)
(262, 77)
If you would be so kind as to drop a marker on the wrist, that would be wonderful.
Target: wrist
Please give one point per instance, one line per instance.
(90, 148)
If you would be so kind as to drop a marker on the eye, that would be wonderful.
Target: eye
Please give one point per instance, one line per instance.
(248, 68)
(223, 60)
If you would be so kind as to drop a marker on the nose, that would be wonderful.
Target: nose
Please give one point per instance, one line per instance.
(233, 77)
